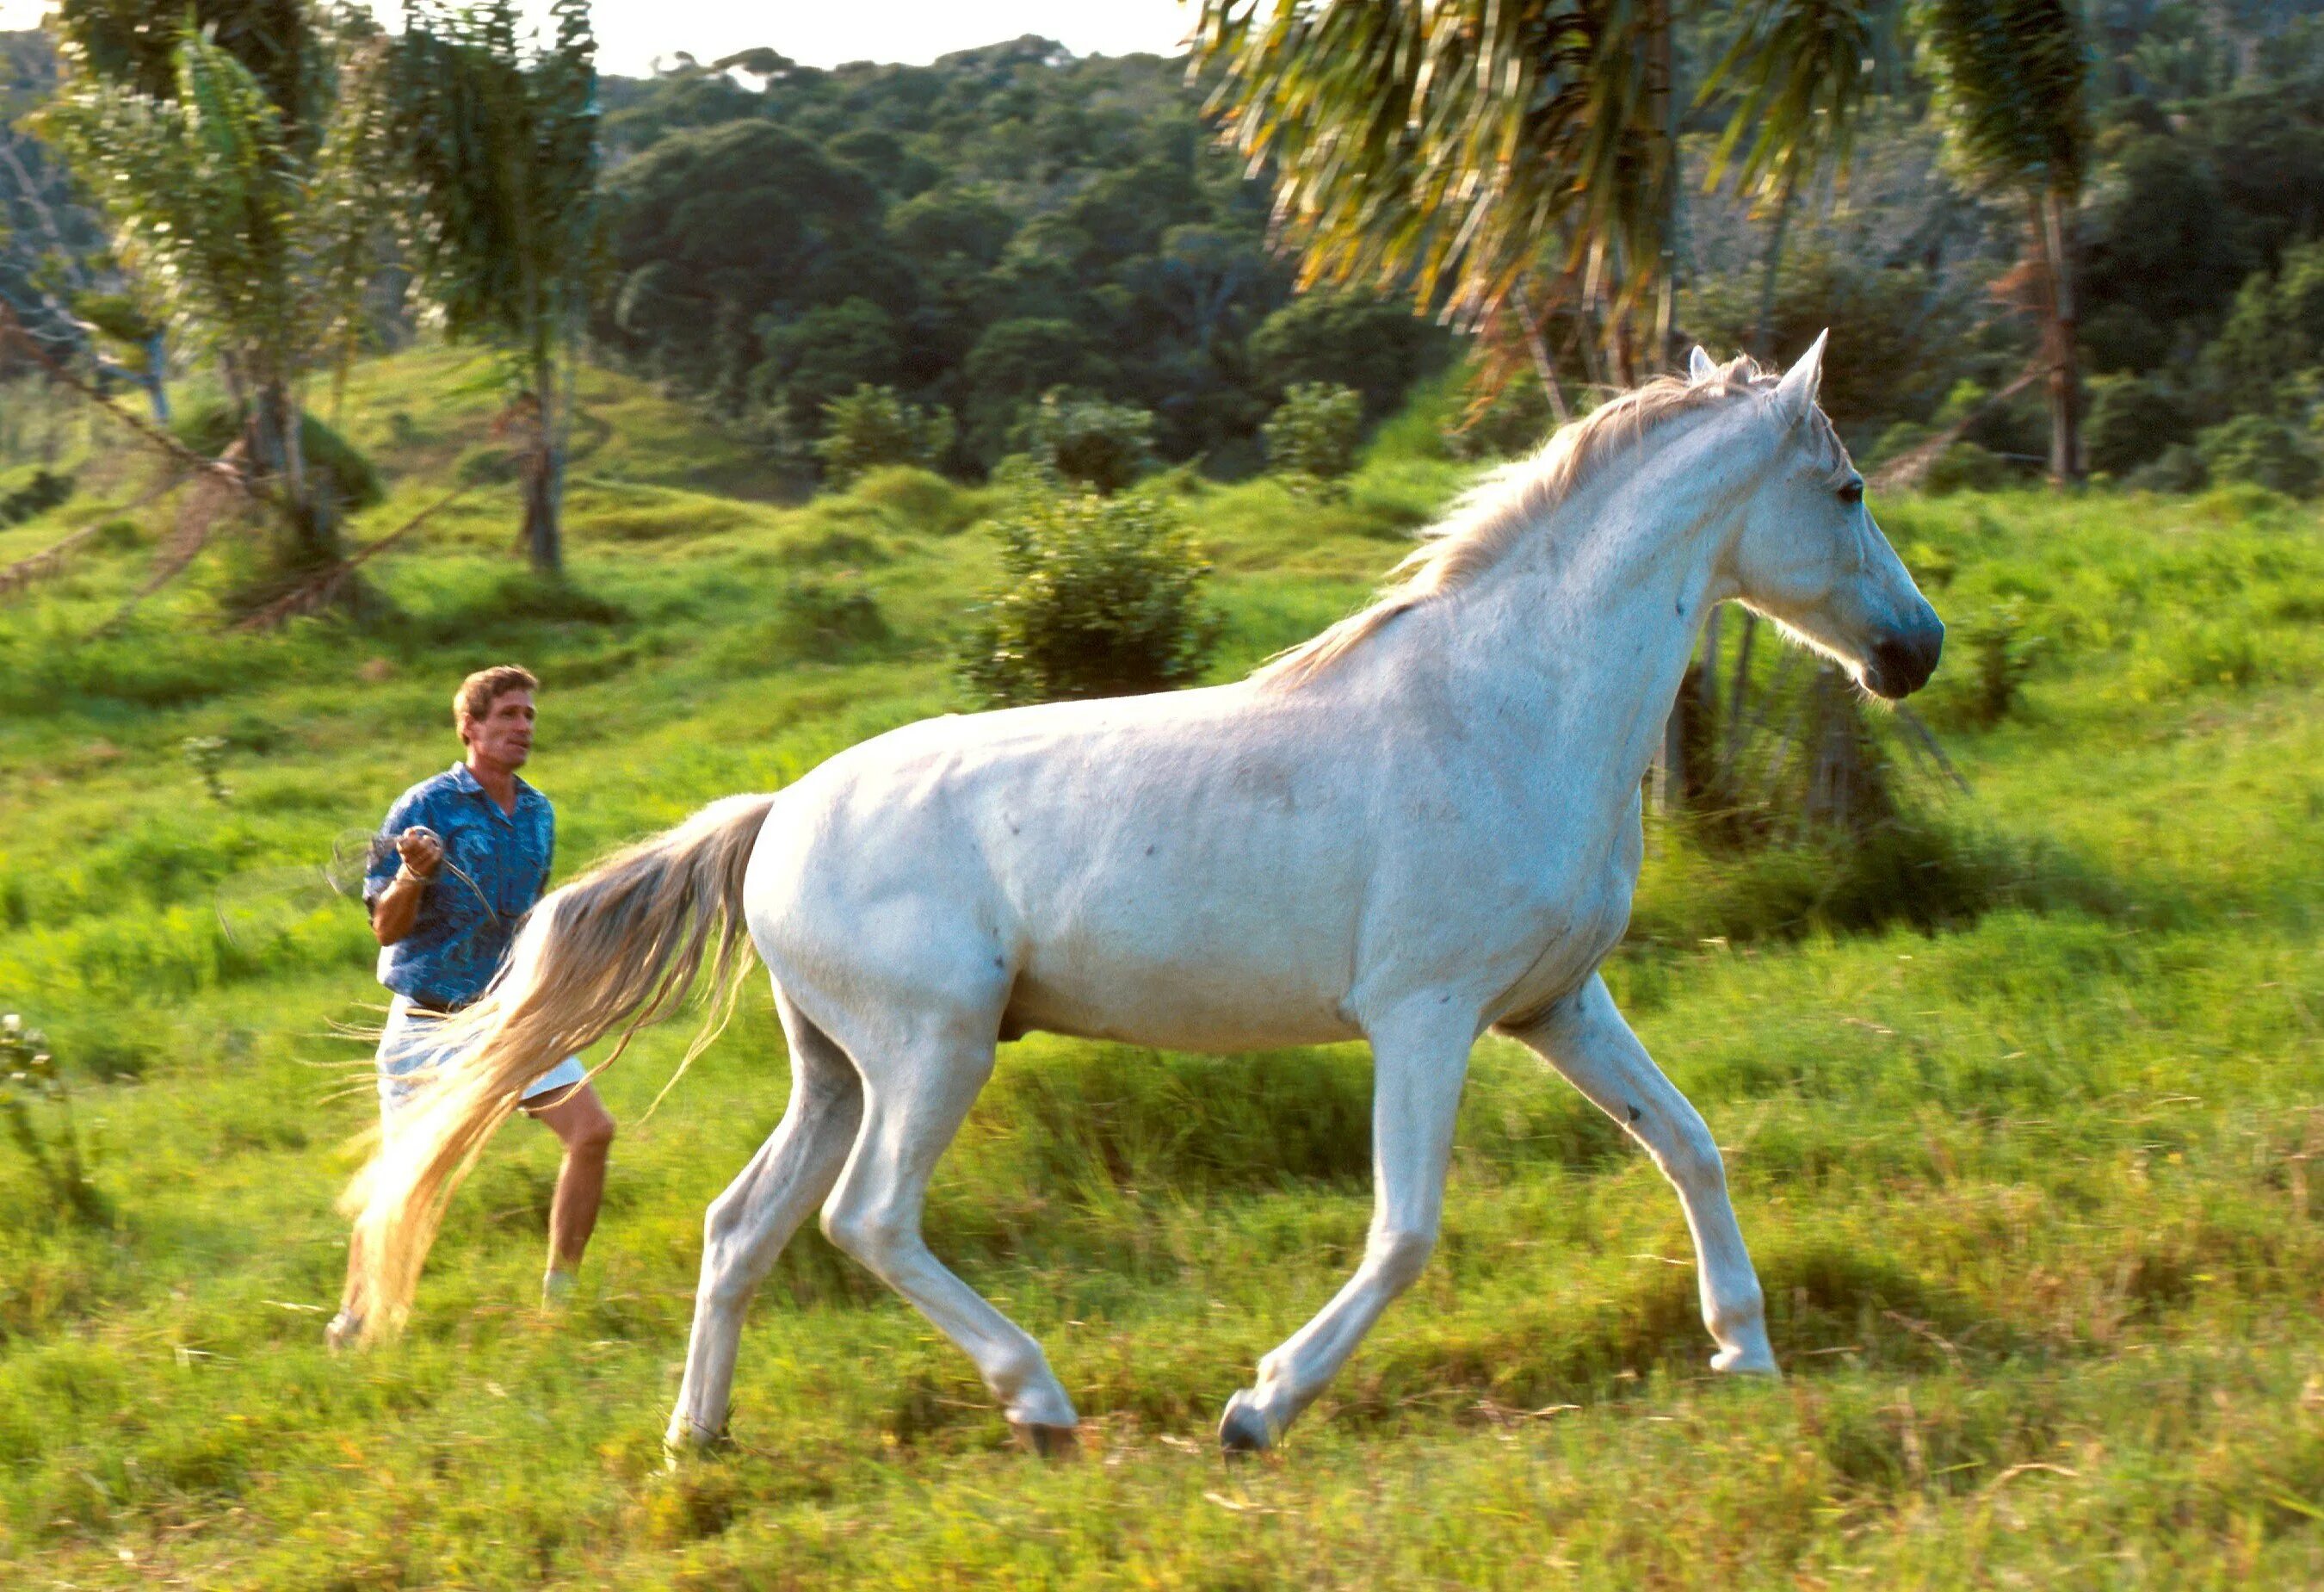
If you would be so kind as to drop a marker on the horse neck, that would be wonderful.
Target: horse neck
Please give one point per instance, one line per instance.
(1585, 628)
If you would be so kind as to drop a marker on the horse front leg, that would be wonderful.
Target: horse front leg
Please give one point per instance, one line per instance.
(1418, 1068)
(1585, 1038)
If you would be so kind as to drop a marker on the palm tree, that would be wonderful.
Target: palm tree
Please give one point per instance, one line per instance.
(2008, 77)
(1512, 154)
(501, 145)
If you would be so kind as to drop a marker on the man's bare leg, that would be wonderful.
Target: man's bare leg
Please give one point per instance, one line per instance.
(585, 1128)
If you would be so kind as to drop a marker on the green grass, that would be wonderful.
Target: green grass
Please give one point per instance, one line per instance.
(2030, 1194)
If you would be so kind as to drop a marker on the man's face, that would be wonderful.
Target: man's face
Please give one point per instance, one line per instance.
(504, 734)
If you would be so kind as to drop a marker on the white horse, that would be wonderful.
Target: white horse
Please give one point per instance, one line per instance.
(1421, 824)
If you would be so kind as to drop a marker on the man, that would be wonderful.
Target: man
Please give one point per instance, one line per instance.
(471, 856)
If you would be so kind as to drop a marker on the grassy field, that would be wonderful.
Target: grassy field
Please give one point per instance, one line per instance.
(2032, 1194)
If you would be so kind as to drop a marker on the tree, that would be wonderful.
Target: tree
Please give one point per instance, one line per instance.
(1504, 159)
(255, 225)
(710, 231)
(1799, 72)
(2008, 79)
(501, 145)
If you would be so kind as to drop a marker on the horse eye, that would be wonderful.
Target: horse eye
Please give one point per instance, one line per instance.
(1852, 493)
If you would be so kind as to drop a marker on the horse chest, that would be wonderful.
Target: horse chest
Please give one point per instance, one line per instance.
(1575, 923)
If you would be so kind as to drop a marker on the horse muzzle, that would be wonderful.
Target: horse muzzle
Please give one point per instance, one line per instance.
(1903, 660)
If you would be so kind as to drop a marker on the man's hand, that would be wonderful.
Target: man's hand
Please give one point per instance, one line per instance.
(392, 915)
(421, 851)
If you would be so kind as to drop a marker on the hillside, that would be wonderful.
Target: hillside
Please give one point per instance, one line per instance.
(2030, 1194)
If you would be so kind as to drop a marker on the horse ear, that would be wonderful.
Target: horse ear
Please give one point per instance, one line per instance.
(1699, 368)
(1795, 394)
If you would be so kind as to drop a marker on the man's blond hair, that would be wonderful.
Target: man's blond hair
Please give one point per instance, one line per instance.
(480, 690)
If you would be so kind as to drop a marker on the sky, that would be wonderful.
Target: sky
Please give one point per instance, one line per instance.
(631, 33)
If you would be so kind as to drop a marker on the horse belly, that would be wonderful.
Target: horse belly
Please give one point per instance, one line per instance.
(1204, 971)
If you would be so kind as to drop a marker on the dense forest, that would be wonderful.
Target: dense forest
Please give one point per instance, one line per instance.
(1013, 220)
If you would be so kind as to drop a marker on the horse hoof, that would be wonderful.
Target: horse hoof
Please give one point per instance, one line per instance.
(1742, 1363)
(343, 1334)
(1243, 1429)
(1045, 1440)
(680, 1447)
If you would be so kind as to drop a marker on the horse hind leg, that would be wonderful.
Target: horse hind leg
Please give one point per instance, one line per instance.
(917, 1093)
(748, 1225)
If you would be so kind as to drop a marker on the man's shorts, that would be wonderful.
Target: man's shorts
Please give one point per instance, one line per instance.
(405, 1047)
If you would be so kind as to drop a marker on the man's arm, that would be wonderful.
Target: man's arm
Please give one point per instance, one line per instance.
(393, 910)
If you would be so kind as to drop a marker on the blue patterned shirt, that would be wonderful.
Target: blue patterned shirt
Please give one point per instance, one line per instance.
(463, 930)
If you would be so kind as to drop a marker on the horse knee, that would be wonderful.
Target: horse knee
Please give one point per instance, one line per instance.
(1398, 1257)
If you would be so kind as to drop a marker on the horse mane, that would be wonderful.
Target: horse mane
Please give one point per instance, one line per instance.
(1487, 519)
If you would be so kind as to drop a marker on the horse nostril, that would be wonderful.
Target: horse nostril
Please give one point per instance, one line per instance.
(1901, 664)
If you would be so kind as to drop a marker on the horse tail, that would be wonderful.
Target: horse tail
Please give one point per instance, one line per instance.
(622, 944)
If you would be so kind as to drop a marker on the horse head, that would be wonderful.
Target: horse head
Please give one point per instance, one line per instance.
(1808, 554)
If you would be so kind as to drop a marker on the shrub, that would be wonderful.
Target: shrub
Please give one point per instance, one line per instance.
(1099, 597)
(1100, 445)
(2177, 469)
(2260, 450)
(1313, 438)
(211, 428)
(2130, 421)
(1967, 468)
(28, 1075)
(872, 427)
(38, 496)
(2001, 656)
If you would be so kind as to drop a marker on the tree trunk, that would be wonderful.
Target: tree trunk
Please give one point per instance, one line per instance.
(1845, 794)
(1662, 108)
(1544, 365)
(542, 473)
(312, 533)
(2054, 242)
(1763, 328)
(156, 363)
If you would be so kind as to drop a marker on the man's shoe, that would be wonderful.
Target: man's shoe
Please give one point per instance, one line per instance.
(557, 1289)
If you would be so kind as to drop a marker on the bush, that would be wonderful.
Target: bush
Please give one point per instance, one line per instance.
(2177, 469)
(1099, 597)
(1313, 438)
(2001, 655)
(38, 496)
(213, 428)
(872, 427)
(2260, 450)
(1100, 445)
(1517, 421)
(2130, 421)
(1967, 468)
